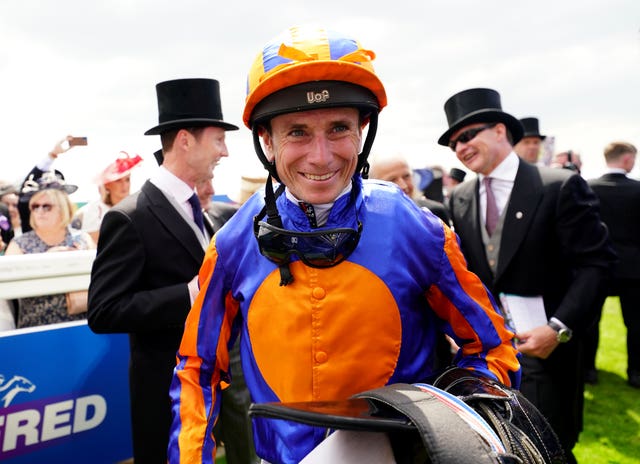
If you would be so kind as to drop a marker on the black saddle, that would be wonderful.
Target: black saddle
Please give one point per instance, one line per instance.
(458, 417)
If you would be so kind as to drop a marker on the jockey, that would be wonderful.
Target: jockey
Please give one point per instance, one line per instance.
(331, 284)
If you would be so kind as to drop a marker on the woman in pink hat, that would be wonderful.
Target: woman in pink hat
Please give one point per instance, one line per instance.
(114, 184)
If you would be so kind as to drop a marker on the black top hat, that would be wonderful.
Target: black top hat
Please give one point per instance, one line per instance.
(188, 103)
(531, 128)
(473, 106)
(457, 174)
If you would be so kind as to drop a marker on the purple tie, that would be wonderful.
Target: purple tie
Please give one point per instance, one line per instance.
(197, 211)
(491, 219)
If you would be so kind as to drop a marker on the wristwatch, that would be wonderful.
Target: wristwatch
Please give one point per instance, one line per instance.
(563, 335)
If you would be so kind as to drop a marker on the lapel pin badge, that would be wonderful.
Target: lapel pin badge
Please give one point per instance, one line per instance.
(519, 215)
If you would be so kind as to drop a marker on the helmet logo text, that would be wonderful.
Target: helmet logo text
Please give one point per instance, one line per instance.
(318, 97)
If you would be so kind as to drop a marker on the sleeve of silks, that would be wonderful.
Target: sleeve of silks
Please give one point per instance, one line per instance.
(202, 364)
(472, 318)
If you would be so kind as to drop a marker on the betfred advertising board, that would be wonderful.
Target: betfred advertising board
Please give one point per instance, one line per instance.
(64, 395)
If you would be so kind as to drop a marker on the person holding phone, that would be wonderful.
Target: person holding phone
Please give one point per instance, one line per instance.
(51, 213)
(43, 166)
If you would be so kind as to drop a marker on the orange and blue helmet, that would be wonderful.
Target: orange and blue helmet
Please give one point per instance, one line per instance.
(310, 67)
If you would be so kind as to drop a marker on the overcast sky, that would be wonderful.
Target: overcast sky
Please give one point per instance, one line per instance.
(90, 68)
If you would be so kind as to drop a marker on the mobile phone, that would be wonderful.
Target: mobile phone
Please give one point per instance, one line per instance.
(75, 141)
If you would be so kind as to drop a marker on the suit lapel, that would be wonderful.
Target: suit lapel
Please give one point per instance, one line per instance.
(523, 202)
(160, 207)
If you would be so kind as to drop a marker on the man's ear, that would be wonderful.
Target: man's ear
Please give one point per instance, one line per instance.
(183, 139)
(502, 129)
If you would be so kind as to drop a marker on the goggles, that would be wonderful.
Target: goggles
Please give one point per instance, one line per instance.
(469, 135)
(319, 249)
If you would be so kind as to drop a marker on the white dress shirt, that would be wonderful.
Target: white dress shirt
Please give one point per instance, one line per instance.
(174, 187)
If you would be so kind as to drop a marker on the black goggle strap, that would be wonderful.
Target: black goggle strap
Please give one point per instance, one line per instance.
(274, 219)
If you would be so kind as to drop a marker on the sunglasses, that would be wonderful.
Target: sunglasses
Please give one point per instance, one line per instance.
(46, 207)
(319, 249)
(469, 135)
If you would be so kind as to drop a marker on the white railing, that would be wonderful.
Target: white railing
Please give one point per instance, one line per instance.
(45, 273)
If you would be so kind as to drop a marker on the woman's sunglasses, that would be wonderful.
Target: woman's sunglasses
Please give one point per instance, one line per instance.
(319, 249)
(46, 207)
(469, 135)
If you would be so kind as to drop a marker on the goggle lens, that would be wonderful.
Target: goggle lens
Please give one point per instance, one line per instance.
(320, 249)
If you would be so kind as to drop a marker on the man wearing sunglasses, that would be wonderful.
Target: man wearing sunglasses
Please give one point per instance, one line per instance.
(335, 285)
(530, 232)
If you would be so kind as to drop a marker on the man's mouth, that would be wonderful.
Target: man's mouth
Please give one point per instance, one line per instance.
(319, 176)
(468, 157)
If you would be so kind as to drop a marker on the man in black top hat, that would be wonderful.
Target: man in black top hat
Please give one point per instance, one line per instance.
(151, 245)
(533, 232)
(528, 148)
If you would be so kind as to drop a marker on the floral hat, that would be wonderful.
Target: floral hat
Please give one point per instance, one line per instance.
(49, 180)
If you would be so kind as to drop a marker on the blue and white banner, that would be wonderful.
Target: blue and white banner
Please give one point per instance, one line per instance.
(64, 395)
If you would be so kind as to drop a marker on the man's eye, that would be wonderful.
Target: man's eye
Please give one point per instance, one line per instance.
(296, 133)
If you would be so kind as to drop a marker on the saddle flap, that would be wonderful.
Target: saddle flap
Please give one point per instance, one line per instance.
(350, 414)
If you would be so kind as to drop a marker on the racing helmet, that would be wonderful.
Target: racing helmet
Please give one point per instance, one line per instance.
(311, 67)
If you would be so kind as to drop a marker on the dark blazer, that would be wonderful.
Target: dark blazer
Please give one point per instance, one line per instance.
(555, 245)
(553, 241)
(147, 253)
(620, 210)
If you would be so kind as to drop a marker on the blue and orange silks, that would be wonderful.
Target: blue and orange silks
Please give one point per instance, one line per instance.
(370, 321)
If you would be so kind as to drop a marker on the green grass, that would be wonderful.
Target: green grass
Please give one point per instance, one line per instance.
(612, 408)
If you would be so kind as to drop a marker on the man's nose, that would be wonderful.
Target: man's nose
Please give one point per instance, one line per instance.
(320, 151)
(224, 152)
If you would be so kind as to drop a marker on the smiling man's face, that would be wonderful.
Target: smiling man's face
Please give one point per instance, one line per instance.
(315, 152)
(481, 153)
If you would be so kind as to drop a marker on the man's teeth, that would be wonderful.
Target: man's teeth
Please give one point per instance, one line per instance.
(322, 177)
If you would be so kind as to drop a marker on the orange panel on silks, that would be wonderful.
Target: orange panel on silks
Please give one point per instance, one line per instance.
(316, 316)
